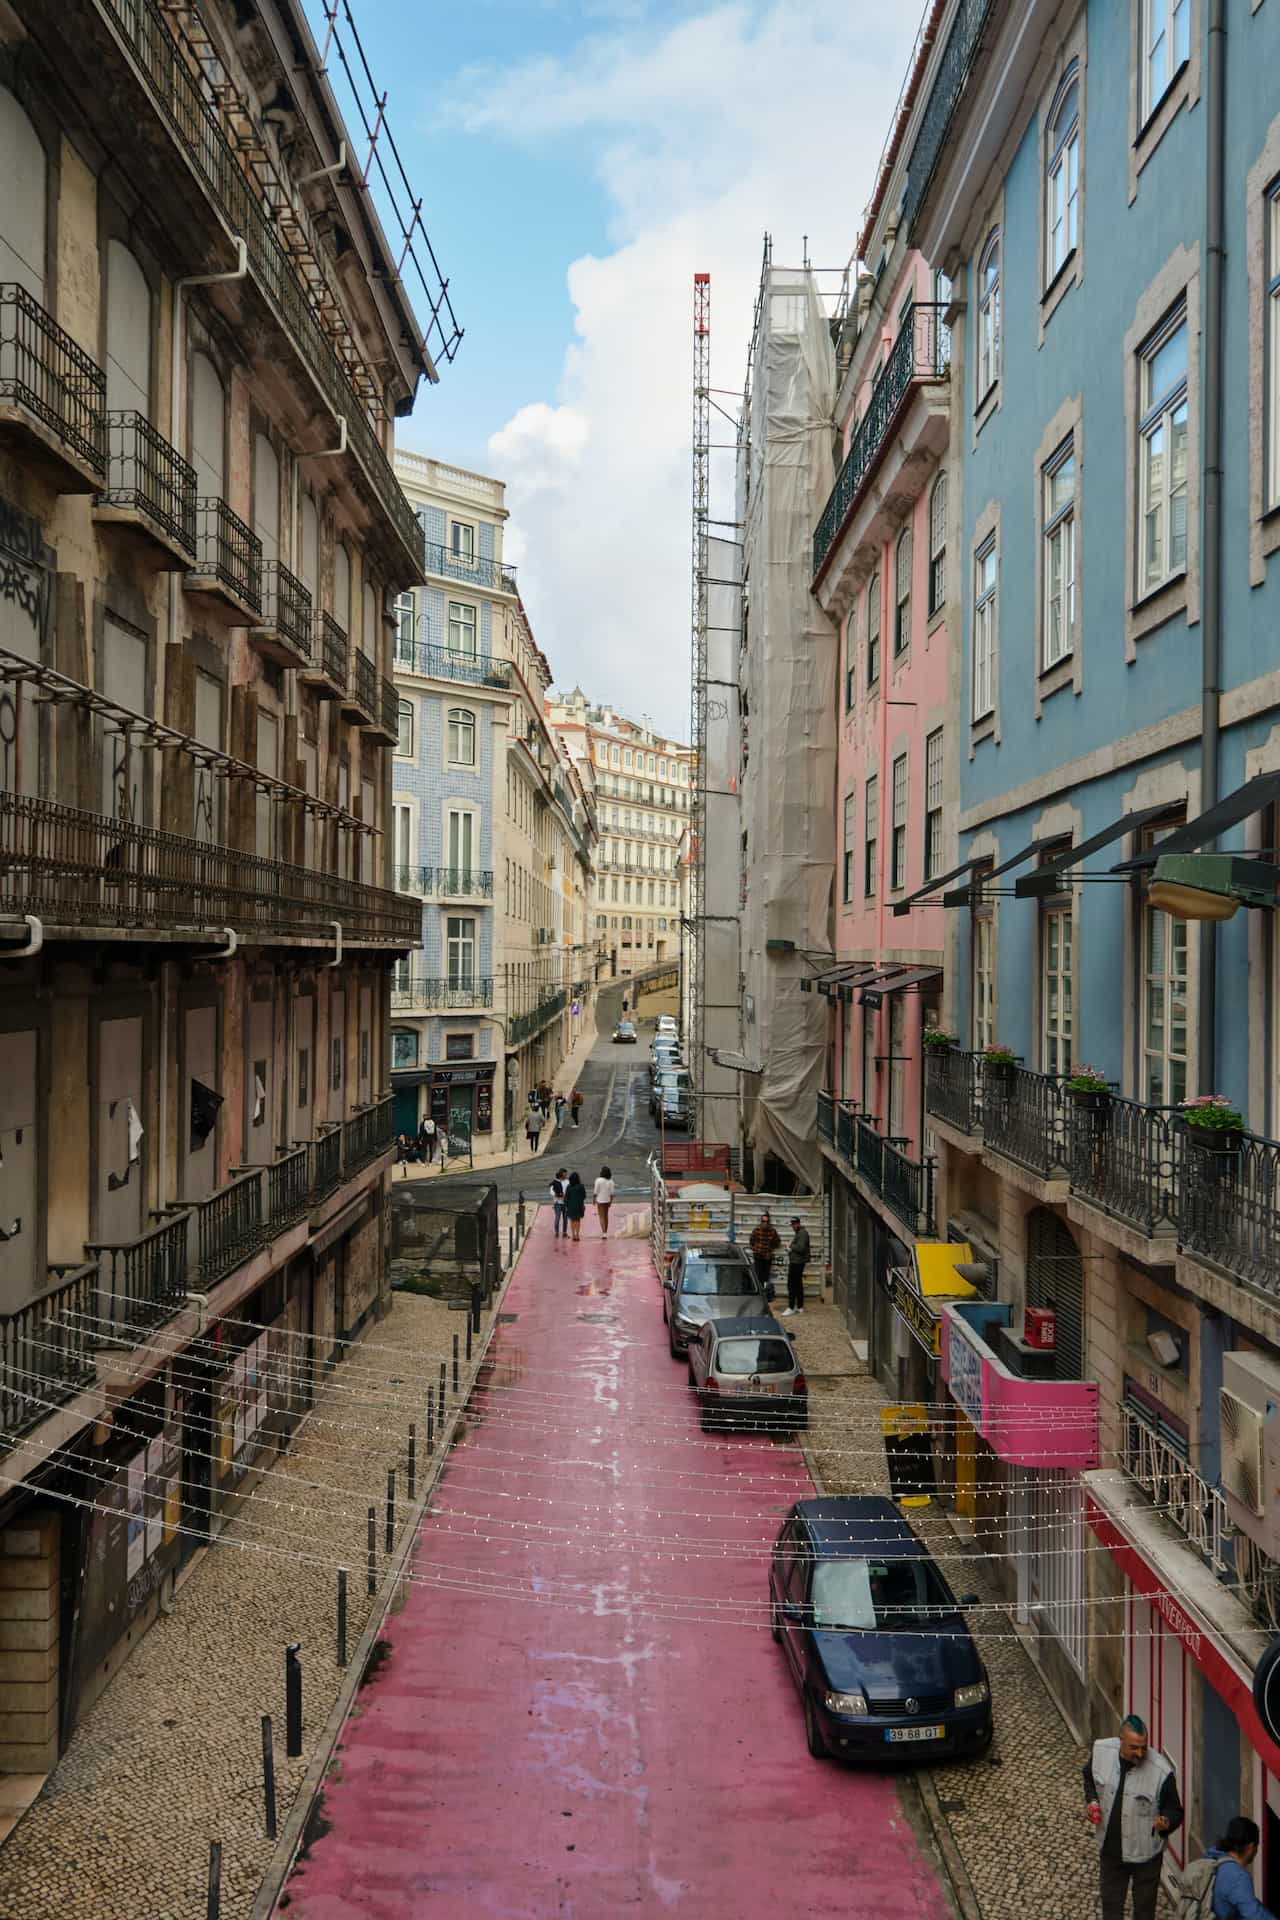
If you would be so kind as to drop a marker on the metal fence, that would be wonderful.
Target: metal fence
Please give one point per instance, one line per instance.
(229, 551)
(43, 370)
(146, 476)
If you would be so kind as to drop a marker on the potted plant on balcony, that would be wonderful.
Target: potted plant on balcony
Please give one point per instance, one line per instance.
(1212, 1123)
(938, 1040)
(999, 1063)
(1089, 1088)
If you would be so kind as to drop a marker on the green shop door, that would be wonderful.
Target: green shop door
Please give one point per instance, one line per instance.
(405, 1111)
(461, 1109)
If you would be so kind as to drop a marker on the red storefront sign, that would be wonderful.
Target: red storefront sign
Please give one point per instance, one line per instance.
(1227, 1682)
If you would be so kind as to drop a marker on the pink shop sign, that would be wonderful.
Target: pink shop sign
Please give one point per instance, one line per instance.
(1029, 1423)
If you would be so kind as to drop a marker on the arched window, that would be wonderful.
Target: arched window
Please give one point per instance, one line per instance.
(266, 496)
(342, 587)
(1062, 176)
(22, 208)
(308, 544)
(902, 594)
(208, 428)
(128, 366)
(989, 315)
(404, 741)
(938, 544)
(462, 737)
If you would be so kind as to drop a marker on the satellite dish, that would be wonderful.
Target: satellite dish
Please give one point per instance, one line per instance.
(1266, 1690)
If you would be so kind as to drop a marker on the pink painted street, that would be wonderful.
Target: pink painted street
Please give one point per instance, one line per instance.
(570, 1717)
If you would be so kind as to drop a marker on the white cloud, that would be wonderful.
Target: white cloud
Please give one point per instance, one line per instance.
(740, 119)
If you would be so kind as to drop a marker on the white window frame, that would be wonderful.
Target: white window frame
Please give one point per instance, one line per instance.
(849, 845)
(987, 358)
(902, 593)
(405, 709)
(1058, 615)
(462, 542)
(875, 596)
(984, 630)
(897, 1120)
(1162, 22)
(982, 976)
(870, 835)
(938, 545)
(455, 810)
(460, 722)
(1157, 417)
(933, 809)
(1271, 349)
(1057, 1002)
(463, 634)
(406, 624)
(898, 845)
(404, 835)
(1062, 177)
(459, 947)
(1166, 1069)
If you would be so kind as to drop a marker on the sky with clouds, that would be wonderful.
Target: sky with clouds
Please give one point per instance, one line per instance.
(578, 161)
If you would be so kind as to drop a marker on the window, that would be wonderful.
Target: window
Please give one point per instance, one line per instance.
(938, 545)
(404, 740)
(460, 838)
(462, 629)
(404, 1047)
(1162, 455)
(902, 594)
(850, 808)
(459, 1046)
(402, 846)
(405, 619)
(462, 737)
(1055, 990)
(873, 629)
(989, 316)
(850, 626)
(1062, 177)
(463, 540)
(984, 630)
(1059, 482)
(626, 756)
(898, 871)
(897, 1066)
(1272, 350)
(933, 804)
(871, 824)
(982, 998)
(460, 940)
(869, 1018)
(1165, 1015)
(1166, 47)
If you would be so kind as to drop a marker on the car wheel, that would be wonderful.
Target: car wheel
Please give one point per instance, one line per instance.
(775, 1623)
(813, 1732)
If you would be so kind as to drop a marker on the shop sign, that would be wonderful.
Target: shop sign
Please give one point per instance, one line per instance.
(474, 1072)
(964, 1366)
(923, 1322)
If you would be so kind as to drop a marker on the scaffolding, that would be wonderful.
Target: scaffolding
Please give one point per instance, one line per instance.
(698, 684)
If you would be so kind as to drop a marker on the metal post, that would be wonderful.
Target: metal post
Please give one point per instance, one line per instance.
(373, 1550)
(440, 1407)
(268, 1777)
(468, 1339)
(455, 1366)
(520, 1215)
(476, 1306)
(293, 1700)
(431, 1424)
(342, 1617)
(391, 1511)
(511, 1247)
(413, 1460)
(214, 1906)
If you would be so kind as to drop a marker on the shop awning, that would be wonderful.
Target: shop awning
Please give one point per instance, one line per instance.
(913, 977)
(1262, 791)
(844, 971)
(1045, 879)
(921, 1291)
(960, 896)
(925, 892)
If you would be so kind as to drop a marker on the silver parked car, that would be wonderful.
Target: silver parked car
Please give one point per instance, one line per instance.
(712, 1282)
(746, 1374)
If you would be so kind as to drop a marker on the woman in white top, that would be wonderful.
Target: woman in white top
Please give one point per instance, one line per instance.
(604, 1199)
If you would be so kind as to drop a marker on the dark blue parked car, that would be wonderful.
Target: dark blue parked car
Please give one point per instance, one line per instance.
(874, 1636)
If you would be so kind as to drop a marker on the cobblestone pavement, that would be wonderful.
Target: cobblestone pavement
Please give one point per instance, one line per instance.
(1017, 1817)
(170, 1757)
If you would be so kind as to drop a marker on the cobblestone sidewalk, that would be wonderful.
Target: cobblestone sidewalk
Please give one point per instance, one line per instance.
(170, 1757)
(1016, 1818)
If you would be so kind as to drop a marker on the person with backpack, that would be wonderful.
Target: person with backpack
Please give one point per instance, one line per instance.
(1220, 1886)
(559, 1223)
(1131, 1797)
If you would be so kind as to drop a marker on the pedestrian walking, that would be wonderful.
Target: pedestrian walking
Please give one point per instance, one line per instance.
(402, 1150)
(533, 1127)
(604, 1199)
(798, 1251)
(544, 1099)
(1131, 1797)
(575, 1205)
(561, 1104)
(575, 1105)
(442, 1141)
(558, 1226)
(427, 1140)
(764, 1243)
(1220, 1886)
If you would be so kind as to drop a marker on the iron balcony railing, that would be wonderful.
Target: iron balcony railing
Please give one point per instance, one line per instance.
(474, 570)
(846, 1129)
(1194, 1507)
(326, 1163)
(827, 1117)
(286, 608)
(141, 1282)
(953, 1088)
(522, 1026)
(390, 710)
(904, 1184)
(44, 371)
(921, 353)
(288, 1185)
(467, 990)
(329, 649)
(1024, 1117)
(1125, 1159)
(367, 1135)
(228, 551)
(184, 102)
(1229, 1207)
(146, 476)
(462, 882)
(443, 663)
(46, 1350)
(364, 683)
(229, 1226)
(84, 869)
(950, 76)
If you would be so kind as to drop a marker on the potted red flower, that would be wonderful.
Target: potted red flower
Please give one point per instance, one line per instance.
(1212, 1123)
(1089, 1088)
(999, 1063)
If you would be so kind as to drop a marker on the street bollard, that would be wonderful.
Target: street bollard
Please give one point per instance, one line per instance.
(342, 1617)
(476, 1306)
(391, 1511)
(373, 1550)
(431, 1424)
(268, 1777)
(293, 1700)
(468, 1339)
(520, 1216)
(440, 1406)
(413, 1460)
(214, 1906)
(511, 1247)
(455, 1366)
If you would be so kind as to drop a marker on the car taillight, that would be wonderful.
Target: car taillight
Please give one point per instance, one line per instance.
(799, 1384)
(713, 1385)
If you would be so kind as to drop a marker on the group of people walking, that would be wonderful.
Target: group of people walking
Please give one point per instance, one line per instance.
(541, 1101)
(569, 1202)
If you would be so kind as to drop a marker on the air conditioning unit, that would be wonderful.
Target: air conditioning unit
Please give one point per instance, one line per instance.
(1249, 1438)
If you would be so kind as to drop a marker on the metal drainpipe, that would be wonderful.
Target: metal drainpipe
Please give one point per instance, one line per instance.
(1211, 482)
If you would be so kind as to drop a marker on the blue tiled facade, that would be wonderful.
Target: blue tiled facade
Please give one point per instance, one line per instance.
(433, 786)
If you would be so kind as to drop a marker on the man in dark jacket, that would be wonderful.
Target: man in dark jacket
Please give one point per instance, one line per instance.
(798, 1251)
(764, 1243)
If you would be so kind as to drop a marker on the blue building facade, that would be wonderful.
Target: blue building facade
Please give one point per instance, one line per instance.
(1101, 189)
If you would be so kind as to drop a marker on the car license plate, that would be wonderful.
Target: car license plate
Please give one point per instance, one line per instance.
(915, 1733)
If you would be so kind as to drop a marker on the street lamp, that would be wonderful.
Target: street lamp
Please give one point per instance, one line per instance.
(1210, 886)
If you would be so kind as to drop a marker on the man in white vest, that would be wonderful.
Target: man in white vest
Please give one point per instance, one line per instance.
(1131, 1796)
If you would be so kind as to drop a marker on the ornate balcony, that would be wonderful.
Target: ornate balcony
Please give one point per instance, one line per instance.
(1196, 1509)
(326, 1163)
(46, 1350)
(53, 397)
(228, 560)
(473, 990)
(949, 80)
(384, 723)
(921, 356)
(1229, 1208)
(329, 666)
(523, 1026)
(1125, 1160)
(1024, 1117)
(150, 488)
(368, 1135)
(446, 883)
(473, 570)
(284, 632)
(360, 701)
(905, 1185)
(442, 663)
(953, 1089)
(142, 1282)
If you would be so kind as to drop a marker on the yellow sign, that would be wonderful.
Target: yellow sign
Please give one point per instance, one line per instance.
(936, 1262)
(900, 1422)
(919, 1316)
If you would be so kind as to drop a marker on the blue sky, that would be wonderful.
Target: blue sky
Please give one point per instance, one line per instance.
(577, 162)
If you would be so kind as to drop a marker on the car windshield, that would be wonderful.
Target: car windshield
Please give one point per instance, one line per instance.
(768, 1355)
(673, 1079)
(878, 1593)
(717, 1276)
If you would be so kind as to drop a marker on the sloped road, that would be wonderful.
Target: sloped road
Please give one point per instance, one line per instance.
(570, 1718)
